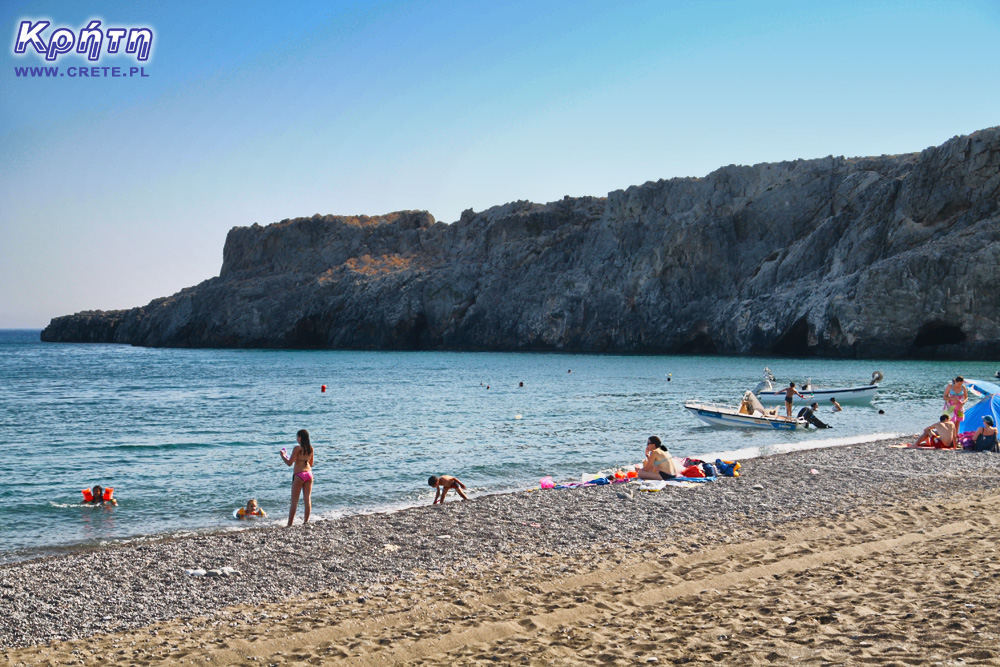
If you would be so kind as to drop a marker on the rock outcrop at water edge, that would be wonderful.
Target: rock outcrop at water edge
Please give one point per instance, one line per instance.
(892, 256)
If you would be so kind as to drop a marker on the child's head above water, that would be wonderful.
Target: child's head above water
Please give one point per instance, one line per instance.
(432, 481)
(98, 492)
(252, 505)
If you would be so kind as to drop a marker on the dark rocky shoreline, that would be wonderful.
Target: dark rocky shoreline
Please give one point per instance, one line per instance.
(127, 586)
(879, 257)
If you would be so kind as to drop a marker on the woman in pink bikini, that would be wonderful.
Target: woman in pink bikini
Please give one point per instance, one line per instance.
(302, 478)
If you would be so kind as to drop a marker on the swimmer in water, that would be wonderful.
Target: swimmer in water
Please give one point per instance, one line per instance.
(97, 495)
(302, 477)
(444, 484)
(251, 510)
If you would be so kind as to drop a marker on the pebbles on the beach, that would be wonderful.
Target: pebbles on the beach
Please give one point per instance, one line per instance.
(141, 584)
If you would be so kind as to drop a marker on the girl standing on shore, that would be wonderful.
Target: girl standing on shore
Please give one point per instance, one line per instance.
(302, 478)
(955, 396)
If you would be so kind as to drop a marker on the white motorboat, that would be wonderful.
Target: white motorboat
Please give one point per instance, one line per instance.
(749, 414)
(860, 394)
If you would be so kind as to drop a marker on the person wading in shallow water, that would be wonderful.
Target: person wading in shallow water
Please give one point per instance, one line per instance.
(302, 477)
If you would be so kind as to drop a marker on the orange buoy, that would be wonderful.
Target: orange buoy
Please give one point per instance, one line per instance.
(322, 389)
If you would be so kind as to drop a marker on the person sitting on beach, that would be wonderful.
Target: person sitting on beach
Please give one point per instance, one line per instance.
(985, 436)
(809, 414)
(251, 510)
(789, 392)
(443, 484)
(836, 405)
(658, 464)
(939, 436)
(99, 496)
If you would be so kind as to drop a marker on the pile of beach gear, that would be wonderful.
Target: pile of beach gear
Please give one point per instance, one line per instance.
(693, 471)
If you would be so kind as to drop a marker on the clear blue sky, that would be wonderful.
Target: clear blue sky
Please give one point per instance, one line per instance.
(117, 191)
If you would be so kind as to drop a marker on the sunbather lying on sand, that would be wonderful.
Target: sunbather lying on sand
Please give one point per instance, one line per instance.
(940, 435)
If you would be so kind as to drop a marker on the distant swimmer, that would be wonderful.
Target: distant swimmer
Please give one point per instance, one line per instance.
(570, 370)
(250, 511)
(836, 405)
(99, 496)
(520, 384)
(302, 477)
(443, 485)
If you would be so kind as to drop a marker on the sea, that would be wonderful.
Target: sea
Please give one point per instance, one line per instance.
(187, 436)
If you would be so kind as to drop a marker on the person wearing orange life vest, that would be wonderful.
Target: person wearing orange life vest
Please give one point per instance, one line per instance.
(98, 496)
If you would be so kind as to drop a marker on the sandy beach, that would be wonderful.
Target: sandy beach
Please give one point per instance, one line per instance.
(850, 555)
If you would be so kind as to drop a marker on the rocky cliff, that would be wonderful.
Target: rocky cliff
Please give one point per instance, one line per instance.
(864, 257)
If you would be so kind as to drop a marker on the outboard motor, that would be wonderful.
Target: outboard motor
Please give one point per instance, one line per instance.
(877, 377)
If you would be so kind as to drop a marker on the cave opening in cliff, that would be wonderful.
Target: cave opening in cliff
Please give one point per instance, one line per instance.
(795, 341)
(699, 343)
(936, 333)
(418, 332)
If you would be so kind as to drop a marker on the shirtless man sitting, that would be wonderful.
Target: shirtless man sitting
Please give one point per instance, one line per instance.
(939, 436)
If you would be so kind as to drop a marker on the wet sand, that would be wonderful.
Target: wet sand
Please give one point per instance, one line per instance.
(881, 557)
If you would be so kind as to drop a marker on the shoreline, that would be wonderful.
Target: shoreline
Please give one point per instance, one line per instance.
(742, 454)
(145, 584)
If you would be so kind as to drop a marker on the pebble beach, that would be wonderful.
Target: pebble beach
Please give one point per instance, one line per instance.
(503, 574)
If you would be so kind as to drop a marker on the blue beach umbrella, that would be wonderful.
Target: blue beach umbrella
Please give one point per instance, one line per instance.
(983, 387)
(990, 405)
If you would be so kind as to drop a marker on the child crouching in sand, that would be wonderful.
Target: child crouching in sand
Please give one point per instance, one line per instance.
(444, 484)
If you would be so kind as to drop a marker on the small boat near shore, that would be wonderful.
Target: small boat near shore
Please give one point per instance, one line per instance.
(749, 414)
(859, 394)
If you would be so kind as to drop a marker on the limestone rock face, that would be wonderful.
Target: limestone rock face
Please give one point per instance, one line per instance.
(867, 257)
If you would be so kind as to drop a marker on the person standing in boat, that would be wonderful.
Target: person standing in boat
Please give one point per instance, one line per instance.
(789, 393)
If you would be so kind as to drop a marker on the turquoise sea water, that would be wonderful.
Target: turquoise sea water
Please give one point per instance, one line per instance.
(186, 436)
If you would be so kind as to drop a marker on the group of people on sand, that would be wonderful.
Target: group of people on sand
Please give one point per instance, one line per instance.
(943, 434)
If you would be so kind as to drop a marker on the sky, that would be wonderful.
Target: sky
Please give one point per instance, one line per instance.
(116, 191)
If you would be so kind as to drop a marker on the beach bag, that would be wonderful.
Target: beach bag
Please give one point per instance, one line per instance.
(727, 468)
(709, 469)
(692, 471)
(986, 443)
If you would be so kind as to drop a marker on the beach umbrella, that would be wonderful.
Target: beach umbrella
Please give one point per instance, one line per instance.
(983, 387)
(990, 405)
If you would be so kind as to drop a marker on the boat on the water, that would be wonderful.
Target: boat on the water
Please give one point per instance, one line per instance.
(859, 394)
(748, 414)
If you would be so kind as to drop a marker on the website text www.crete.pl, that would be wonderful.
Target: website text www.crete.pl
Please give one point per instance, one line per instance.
(82, 72)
